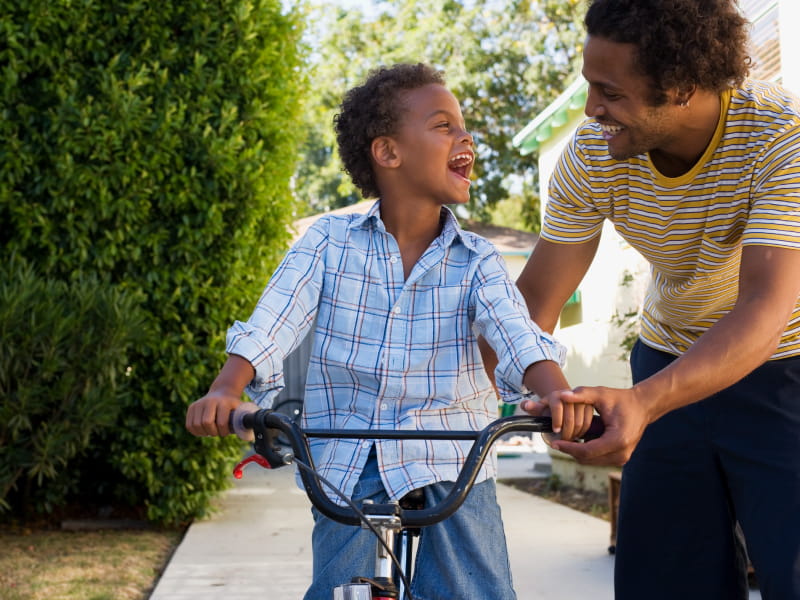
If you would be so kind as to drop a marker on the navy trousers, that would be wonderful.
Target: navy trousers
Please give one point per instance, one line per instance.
(733, 458)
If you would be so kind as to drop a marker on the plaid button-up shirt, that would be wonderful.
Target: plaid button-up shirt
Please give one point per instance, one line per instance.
(390, 352)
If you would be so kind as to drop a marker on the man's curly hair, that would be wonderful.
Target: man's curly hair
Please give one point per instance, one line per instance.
(374, 109)
(680, 43)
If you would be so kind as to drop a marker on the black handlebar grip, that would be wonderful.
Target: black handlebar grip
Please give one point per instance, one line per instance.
(596, 429)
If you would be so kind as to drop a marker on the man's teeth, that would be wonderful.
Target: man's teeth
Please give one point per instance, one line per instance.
(611, 129)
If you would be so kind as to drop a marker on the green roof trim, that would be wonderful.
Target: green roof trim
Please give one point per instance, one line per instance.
(554, 116)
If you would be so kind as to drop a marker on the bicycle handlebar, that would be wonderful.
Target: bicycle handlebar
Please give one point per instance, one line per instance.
(267, 424)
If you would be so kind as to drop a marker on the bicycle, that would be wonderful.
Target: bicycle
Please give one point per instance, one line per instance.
(394, 524)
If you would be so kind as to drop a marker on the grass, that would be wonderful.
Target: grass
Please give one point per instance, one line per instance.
(83, 565)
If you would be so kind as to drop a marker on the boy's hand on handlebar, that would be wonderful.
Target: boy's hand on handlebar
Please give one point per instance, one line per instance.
(209, 416)
(571, 420)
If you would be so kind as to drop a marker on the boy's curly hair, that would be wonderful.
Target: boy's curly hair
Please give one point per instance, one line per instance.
(680, 43)
(372, 110)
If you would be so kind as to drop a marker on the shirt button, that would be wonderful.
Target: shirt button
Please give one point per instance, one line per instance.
(397, 310)
(393, 259)
(384, 406)
(365, 444)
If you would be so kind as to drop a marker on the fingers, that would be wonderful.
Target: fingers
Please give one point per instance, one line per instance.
(557, 416)
(588, 416)
(571, 416)
(577, 418)
(209, 416)
(193, 421)
(201, 418)
(599, 452)
(614, 447)
(223, 420)
(537, 409)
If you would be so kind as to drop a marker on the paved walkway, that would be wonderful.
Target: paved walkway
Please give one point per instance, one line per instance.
(257, 545)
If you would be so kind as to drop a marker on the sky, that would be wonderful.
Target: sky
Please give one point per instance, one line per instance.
(366, 6)
(362, 4)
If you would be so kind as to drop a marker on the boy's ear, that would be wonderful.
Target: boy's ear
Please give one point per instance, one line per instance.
(385, 152)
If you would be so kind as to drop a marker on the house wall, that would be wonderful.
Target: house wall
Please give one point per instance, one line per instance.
(515, 263)
(789, 16)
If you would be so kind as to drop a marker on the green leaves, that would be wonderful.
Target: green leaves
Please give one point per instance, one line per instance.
(151, 146)
(63, 365)
(505, 62)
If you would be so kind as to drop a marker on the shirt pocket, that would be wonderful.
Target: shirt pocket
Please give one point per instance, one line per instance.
(718, 260)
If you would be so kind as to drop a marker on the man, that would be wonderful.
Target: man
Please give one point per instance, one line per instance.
(699, 169)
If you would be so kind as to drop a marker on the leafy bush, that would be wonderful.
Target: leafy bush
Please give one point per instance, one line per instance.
(152, 144)
(62, 360)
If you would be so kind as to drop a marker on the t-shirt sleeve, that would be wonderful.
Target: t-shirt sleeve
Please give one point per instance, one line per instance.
(570, 216)
(774, 218)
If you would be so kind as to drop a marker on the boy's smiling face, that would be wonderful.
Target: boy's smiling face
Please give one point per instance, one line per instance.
(435, 149)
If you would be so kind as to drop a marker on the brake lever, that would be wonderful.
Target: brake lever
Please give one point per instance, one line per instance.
(248, 422)
(266, 446)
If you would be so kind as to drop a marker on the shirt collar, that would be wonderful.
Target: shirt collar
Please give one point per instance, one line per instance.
(451, 230)
(373, 215)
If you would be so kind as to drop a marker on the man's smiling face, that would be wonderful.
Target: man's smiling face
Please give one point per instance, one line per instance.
(620, 101)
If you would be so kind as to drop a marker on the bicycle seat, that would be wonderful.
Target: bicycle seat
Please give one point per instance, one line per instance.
(413, 500)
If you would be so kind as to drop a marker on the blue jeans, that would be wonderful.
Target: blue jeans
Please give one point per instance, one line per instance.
(697, 472)
(462, 558)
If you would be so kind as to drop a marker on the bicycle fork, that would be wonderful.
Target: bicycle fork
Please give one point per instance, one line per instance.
(384, 519)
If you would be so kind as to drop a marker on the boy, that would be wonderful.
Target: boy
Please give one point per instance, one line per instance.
(399, 296)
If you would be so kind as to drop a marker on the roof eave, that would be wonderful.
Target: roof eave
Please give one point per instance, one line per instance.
(556, 114)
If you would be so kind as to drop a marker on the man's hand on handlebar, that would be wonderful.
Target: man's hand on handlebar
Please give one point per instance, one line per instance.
(625, 417)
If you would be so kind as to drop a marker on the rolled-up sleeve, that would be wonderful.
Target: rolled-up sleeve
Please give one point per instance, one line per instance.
(282, 317)
(503, 319)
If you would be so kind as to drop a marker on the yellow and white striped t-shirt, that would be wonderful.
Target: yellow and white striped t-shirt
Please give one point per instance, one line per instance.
(744, 190)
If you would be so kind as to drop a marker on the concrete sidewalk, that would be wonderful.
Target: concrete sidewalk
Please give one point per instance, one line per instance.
(258, 544)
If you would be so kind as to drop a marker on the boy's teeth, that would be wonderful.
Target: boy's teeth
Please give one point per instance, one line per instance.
(460, 160)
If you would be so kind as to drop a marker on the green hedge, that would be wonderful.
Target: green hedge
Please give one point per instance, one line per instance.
(152, 144)
(63, 362)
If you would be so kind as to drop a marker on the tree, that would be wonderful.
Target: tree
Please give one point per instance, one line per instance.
(505, 61)
(151, 144)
